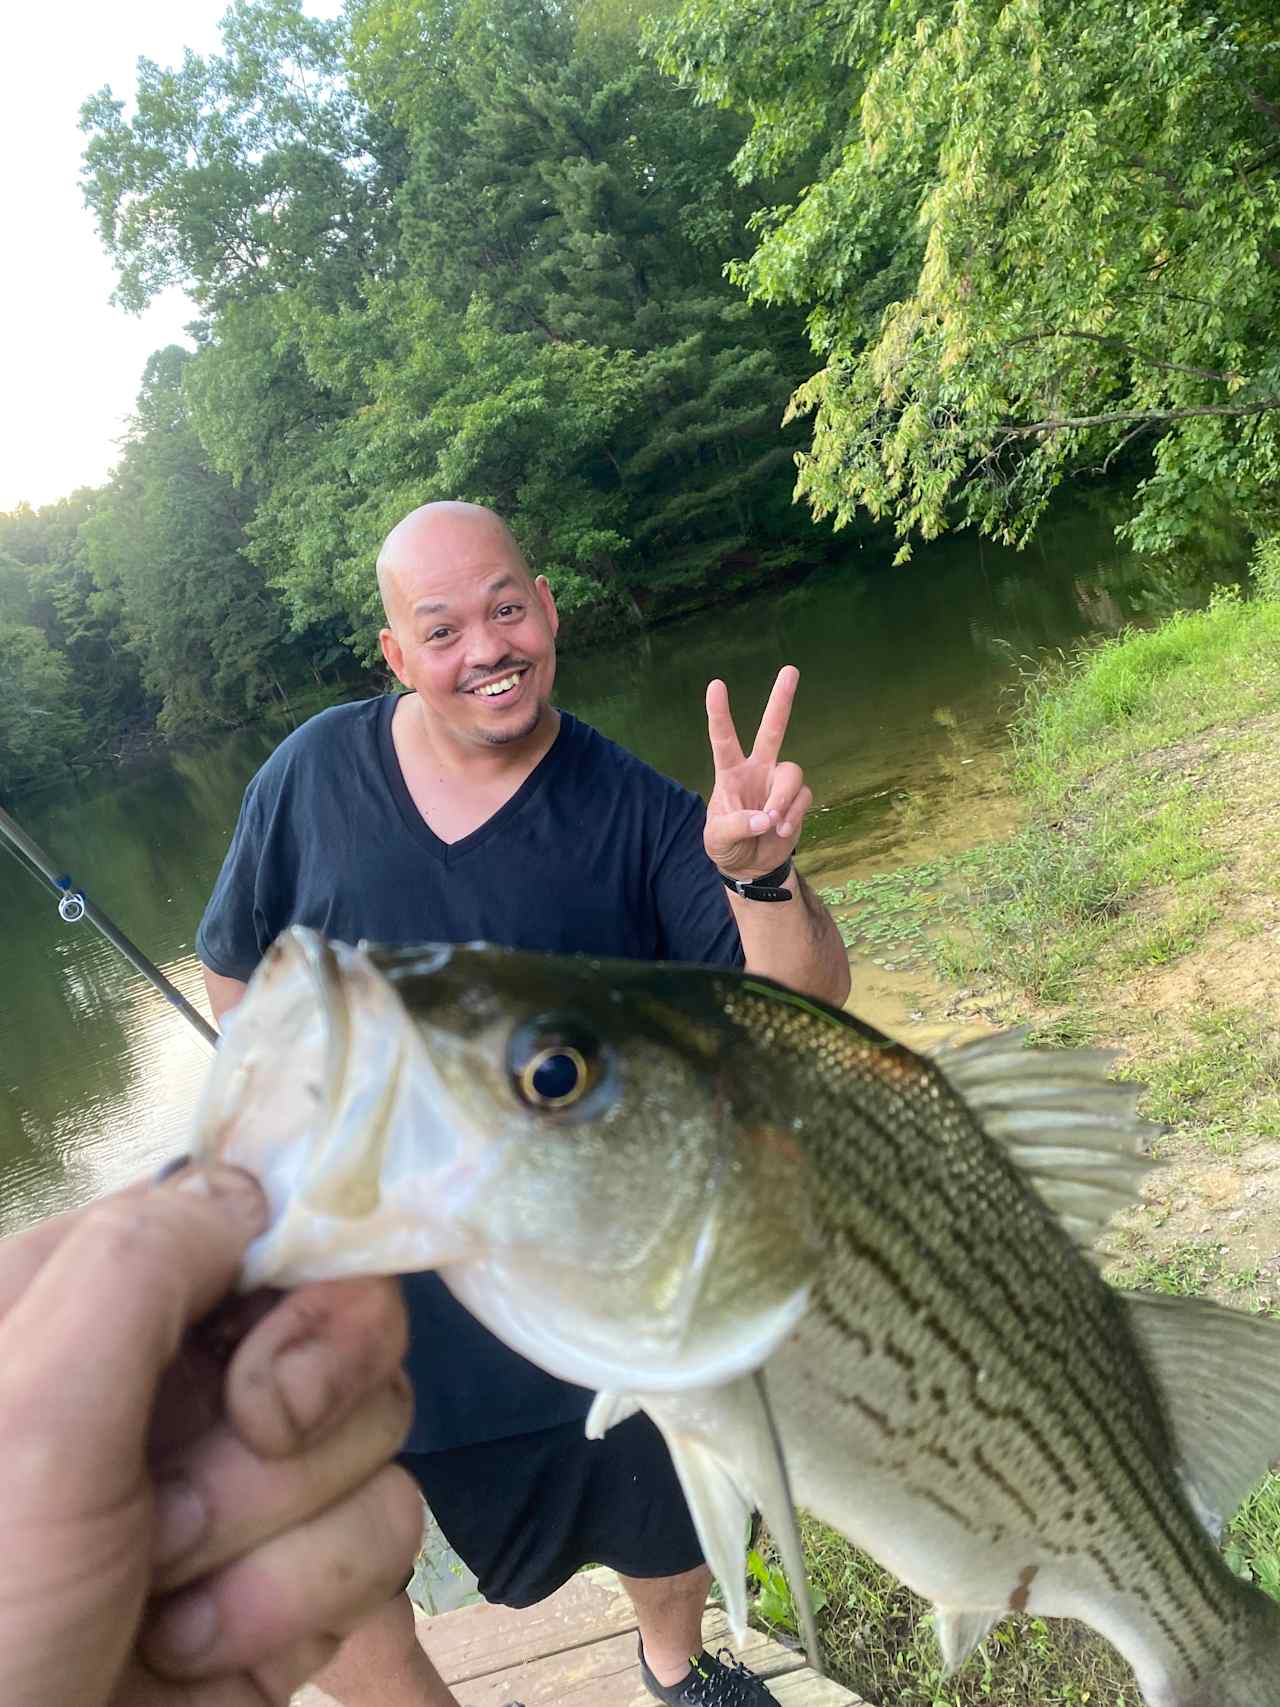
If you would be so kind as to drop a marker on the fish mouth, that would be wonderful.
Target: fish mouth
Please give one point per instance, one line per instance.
(324, 1091)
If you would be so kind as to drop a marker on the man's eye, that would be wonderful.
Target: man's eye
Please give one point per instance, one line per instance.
(438, 634)
(508, 610)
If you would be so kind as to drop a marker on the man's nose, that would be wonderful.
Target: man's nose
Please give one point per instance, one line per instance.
(482, 648)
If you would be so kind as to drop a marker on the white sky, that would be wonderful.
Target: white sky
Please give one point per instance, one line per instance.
(71, 363)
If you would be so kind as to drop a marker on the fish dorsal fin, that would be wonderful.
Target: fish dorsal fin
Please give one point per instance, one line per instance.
(959, 1633)
(728, 1456)
(1073, 1131)
(1219, 1376)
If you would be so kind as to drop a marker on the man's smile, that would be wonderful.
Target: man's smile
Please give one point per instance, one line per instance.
(498, 686)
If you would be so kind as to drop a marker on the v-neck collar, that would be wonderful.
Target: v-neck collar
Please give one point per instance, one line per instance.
(449, 853)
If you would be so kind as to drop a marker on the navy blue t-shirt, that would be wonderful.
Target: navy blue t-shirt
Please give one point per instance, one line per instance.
(596, 853)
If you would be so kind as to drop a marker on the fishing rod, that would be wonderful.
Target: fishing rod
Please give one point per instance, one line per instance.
(74, 905)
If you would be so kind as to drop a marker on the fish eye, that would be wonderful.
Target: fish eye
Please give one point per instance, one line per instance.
(554, 1064)
(555, 1077)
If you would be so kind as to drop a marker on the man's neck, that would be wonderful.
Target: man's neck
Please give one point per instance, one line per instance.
(476, 762)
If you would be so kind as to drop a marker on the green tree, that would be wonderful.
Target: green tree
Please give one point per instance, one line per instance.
(585, 199)
(166, 542)
(1039, 237)
(250, 171)
(40, 724)
(45, 582)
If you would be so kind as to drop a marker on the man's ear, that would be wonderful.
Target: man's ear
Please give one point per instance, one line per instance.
(393, 652)
(546, 598)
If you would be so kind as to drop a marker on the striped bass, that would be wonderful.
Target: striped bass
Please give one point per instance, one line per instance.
(661, 1181)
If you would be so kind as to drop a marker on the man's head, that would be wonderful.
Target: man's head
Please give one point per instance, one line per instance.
(468, 625)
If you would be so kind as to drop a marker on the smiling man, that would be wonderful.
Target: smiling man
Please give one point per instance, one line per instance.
(469, 807)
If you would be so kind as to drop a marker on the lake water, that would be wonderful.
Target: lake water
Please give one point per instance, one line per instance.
(906, 678)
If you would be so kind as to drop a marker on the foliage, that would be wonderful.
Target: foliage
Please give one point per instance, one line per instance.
(242, 173)
(42, 727)
(462, 248)
(45, 582)
(1034, 236)
(165, 542)
(774, 1601)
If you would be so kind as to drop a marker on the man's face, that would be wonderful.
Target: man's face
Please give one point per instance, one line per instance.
(474, 636)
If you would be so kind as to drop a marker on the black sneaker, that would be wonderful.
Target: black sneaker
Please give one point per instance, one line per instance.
(719, 1682)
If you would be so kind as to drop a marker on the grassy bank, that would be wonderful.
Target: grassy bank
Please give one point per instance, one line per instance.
(1135, 908)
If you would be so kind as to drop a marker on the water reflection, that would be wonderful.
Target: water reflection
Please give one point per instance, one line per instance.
(903, 698)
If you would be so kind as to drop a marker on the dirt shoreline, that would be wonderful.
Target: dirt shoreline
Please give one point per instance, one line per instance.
(1215, 1196)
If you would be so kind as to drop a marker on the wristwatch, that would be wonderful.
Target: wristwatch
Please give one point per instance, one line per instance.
(766, 888)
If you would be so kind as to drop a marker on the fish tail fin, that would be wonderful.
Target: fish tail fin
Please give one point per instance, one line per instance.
(1251, 1677)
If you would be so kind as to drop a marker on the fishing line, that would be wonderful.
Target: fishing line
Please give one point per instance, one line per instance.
(74, 905)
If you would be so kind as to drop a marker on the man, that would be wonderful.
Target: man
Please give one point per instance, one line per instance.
(470, 808)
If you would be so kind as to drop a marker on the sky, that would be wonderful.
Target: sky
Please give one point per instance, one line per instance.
(72, 363)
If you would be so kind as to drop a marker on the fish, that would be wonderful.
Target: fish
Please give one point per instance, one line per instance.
(835, 1272)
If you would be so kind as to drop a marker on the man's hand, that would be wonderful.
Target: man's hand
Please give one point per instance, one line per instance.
(757, 805)
(198, 1501)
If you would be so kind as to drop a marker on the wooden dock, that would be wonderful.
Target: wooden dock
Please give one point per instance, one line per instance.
(579, 1648)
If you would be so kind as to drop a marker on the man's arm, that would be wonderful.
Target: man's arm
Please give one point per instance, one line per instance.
(223, 993)
(795, 941)
(754, 818)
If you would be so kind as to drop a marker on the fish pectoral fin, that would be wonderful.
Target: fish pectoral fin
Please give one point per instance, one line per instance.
(959, 1632)
(1073, 1131)
(729, 1458)
(609, 1409)
(1219, 1376)
(721, 1514)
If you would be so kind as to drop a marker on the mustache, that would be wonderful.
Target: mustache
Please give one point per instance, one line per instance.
(491, 671)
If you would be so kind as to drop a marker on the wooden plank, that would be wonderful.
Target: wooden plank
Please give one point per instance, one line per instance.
(605, 1674)
(477, 1639)
(579, 1647)
(806, 1689)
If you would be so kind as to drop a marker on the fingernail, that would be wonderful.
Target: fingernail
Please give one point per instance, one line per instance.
(784, 829)
(305, 1377)
(760, 822)
(181, 1519)
(232, 1189)
(170, 1168)
(186, 1627)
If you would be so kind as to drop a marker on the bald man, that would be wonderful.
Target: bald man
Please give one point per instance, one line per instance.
(469, 807)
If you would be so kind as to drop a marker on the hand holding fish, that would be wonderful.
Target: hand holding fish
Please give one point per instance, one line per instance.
(757, 804)
(176, 1496)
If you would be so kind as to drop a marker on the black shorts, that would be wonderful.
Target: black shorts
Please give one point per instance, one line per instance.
(524, 1514)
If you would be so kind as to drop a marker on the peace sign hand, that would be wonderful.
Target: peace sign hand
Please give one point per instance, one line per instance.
(757, 805)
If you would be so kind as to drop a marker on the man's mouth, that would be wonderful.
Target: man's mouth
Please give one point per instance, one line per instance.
(499, 686)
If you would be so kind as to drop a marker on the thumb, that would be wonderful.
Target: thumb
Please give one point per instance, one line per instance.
(726, 829)
(84, 1347)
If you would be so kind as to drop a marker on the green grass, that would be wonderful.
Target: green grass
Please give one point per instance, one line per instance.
(1136, 692)
(1222, 1085)
(878, 1640)
(1190, 1270)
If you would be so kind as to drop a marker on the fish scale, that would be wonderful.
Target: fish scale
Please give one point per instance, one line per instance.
(825, 1265)
(900, 1257)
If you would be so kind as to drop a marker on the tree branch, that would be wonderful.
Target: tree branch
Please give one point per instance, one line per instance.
(1107, 338)
(1070, 423)
(1261, 104)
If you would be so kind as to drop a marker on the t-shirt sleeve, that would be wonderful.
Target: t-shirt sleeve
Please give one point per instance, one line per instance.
(695, 920)
(235, 932)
